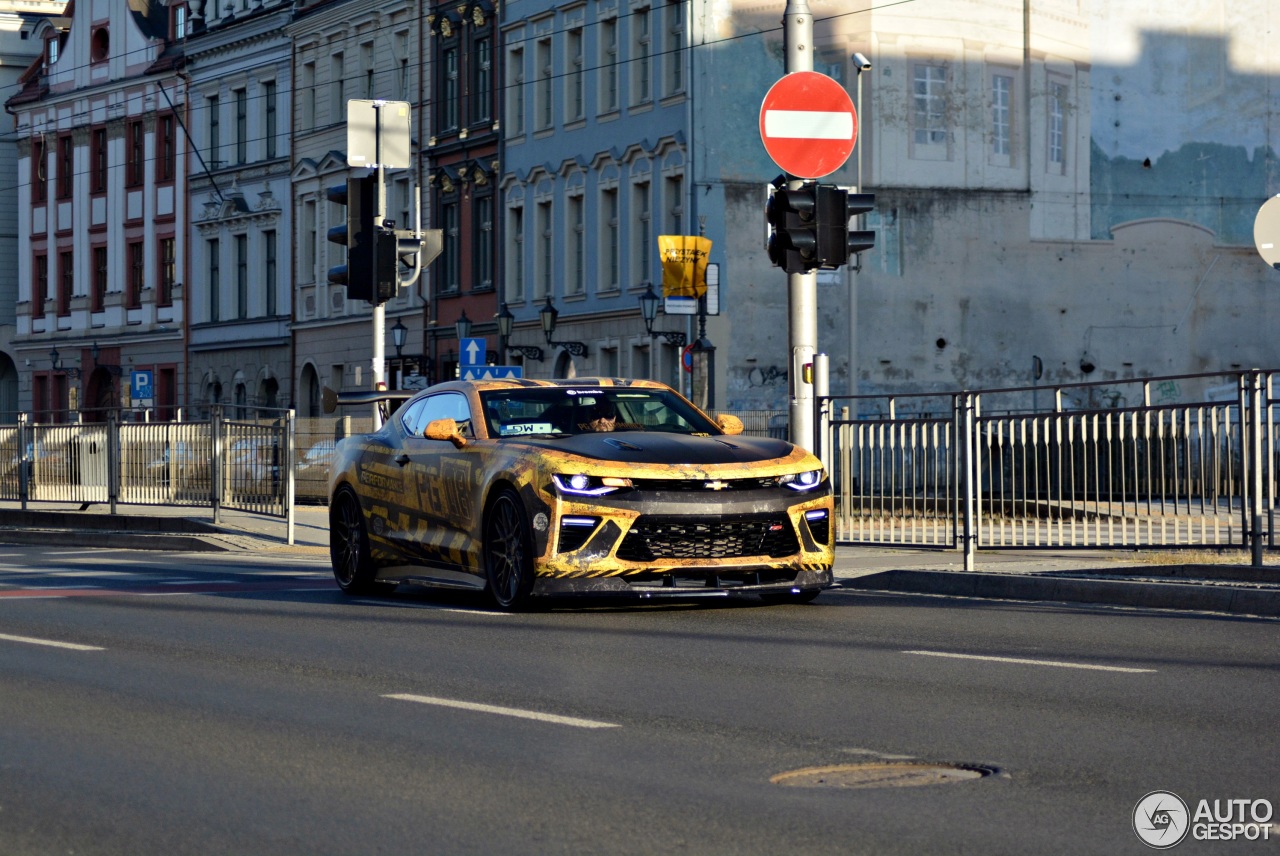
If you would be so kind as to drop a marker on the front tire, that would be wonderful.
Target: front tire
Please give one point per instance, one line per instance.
(508, 552)
(349, 553)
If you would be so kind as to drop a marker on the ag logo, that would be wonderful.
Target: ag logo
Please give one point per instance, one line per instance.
(1161, 819)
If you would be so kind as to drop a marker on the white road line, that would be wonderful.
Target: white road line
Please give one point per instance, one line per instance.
(1026, 662)
(71, 646)
(504, 711)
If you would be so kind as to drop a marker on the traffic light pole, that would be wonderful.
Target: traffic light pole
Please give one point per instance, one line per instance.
(802, 288)
(379, 308)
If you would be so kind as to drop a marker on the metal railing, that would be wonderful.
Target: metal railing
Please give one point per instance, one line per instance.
(1164, 474)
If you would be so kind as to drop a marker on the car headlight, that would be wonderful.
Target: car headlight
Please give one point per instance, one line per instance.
(802, 481)
(579, 485)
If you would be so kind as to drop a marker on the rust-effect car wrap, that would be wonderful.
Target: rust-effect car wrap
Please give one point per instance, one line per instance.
(501, 485)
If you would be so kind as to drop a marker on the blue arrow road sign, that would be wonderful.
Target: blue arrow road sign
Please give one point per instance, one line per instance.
(473, 352)
(491, 372)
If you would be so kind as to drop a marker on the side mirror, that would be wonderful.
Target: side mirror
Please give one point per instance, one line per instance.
(445, 429)
(729, 423)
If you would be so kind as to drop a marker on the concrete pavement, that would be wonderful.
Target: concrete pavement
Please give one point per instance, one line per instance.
(1197, 581)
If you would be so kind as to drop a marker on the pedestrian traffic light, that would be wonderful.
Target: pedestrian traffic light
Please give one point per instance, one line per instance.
(836, 207)
(386, 277)
(793, 229)
(358, 235)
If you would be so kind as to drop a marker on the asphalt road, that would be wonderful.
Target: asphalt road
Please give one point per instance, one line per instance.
(242, 705)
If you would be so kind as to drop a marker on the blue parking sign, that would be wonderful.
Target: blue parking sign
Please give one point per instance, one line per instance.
(142, 385)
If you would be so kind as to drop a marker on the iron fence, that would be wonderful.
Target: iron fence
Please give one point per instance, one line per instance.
(1173, 473)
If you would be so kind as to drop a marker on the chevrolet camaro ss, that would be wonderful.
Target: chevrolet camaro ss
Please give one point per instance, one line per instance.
(589, 486)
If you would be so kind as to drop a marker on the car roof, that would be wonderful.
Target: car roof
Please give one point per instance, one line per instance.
(528, 383)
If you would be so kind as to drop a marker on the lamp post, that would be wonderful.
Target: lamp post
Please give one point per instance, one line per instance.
(398, 335)
(649, 309)
(548, 315)
(860, 64)
(506, 321)
(462, 327)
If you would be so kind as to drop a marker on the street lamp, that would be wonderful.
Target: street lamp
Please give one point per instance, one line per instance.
(112, 370)
(398, 335)
(463, 327)
(649, 309)
(505, 322)
(56, 361)
(548, 315)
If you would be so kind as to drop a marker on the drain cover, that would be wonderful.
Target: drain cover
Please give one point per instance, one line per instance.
(896, 774)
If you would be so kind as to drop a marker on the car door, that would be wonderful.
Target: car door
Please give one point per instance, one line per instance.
(438, 483)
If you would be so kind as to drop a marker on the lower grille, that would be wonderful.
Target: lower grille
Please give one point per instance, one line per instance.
(730, 537)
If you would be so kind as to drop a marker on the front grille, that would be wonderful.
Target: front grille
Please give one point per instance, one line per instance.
(756, 483)
(655, 537)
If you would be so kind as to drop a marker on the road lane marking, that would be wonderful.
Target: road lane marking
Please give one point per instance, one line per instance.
(70, 646)
(1025, 662)
(503, 711)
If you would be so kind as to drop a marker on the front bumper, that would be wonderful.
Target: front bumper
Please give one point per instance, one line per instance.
(686, 583)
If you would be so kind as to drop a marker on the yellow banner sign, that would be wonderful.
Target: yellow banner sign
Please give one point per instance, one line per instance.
(684, 265)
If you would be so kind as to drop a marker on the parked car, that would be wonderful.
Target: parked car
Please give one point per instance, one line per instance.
(520, 488)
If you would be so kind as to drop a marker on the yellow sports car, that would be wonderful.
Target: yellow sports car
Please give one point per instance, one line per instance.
(589, 486)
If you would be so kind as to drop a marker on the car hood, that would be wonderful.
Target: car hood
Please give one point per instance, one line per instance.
(659, 448)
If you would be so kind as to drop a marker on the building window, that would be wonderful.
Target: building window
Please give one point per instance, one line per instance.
(450, 269)
(482, 229)
(674, 191)
(515, 254)
(215, 130)
(577, 247)
(573, 78)
(609, 65)
(544, 263)
(337, 88)
(1001, 115)
(482, 80)
(99, 299)
(307, 103)
(179, 21)
(39, 171)
(40, 287)
(98, 170)
(515, 92)
(1057, 127)
(640, 51)
(66, 281)
(270, 120)
(366, 63)
(641, 231)
(269, 271)
(673, 54)
(137, 153)
(137, 274)
(242, 125)
(307, 241)
(167, 161)
(929, 102)
(449, 89)
(215, 281)
(542, 108)
(66, 166)
(168, 268)
(242, 277)
(610, 250)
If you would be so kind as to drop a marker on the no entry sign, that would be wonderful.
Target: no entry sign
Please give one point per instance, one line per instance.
(808, 124)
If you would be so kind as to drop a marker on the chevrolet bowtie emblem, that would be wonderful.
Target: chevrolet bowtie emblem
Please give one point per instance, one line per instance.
(716, 485)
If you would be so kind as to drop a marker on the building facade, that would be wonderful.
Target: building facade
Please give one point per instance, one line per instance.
(239, 344)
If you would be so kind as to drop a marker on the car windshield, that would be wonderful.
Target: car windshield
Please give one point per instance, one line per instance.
(561, 411)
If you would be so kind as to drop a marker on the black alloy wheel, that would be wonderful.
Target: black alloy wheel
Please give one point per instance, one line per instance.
(508, 552)
(353, 566)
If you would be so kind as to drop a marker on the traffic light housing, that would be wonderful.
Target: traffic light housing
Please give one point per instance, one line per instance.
(859, 240)
(359, 236)
(836, 243)
(793, 235)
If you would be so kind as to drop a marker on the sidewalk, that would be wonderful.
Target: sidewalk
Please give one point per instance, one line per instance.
(1147, 578)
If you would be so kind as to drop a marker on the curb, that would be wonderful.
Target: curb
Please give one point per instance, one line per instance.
(116, 540)
(1235, 600)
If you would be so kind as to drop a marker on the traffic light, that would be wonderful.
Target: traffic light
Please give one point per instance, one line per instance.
(793, 236)
(386, 277)
(836, 207)
(358, 235)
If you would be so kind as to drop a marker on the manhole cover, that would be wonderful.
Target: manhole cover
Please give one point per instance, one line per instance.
(895, 774)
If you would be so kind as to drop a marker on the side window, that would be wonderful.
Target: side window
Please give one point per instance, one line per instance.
(446, 405)
(409, 416)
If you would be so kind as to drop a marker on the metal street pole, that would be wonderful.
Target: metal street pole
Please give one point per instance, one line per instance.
(802, 288)
(379, 310)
